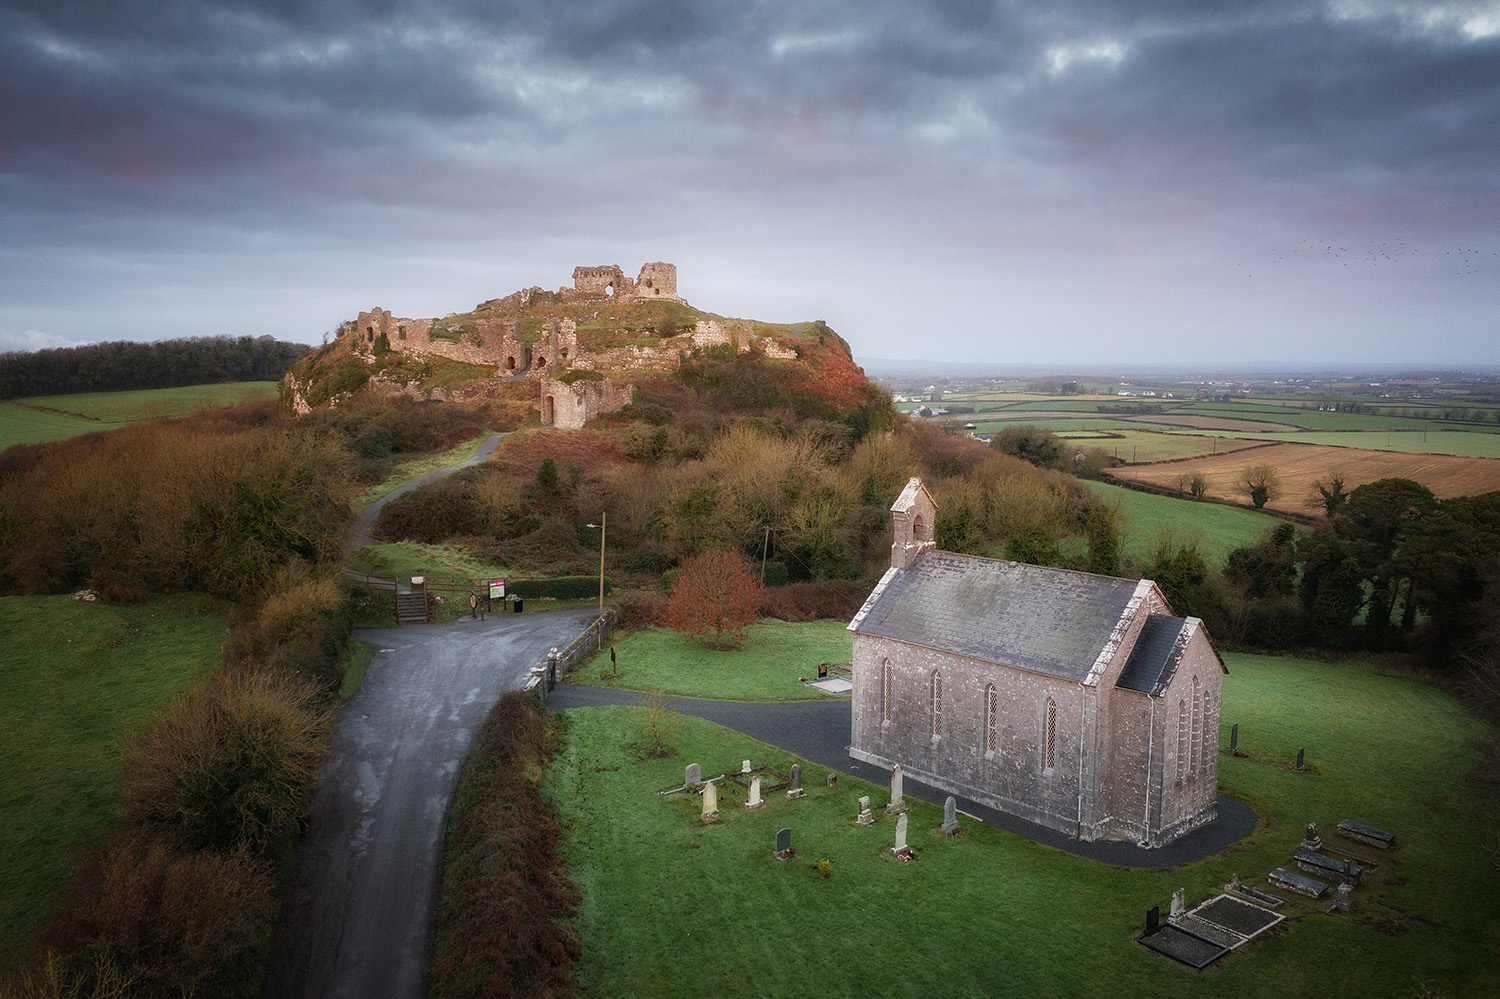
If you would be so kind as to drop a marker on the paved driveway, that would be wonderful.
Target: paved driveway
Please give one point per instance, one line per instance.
(361, 909)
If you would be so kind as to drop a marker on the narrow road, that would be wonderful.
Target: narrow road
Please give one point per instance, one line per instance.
(360, 912)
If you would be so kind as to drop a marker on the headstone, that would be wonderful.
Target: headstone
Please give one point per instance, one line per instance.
(692, 776)
(1301, 756)
(710, 803)
(1310, 838)
(784, 843)
(1234, 738)
(1153, 919)
(754, 801)
(745, 767)
(794, 789)
(1233, 884)
(1179, 903)
(1343, 896)
(950, 817)
(897, 805)
(866, 817)
(833, 778)
(900, 834)
(822, 671)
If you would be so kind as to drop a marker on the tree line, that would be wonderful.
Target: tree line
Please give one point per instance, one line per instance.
(124, 364)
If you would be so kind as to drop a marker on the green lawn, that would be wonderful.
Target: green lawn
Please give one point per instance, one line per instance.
(1219, 529)
(55, 417)
(76, 678)
(1464, 444)
(674, 908)
(768, 667)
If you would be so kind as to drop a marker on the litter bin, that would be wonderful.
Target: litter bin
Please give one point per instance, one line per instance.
(518, 605)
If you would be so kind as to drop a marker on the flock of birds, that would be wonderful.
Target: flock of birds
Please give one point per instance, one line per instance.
(1463, 259)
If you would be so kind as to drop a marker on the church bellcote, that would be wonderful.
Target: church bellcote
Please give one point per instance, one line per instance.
(914, 516)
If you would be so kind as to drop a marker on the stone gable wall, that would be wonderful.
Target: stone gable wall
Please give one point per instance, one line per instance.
(570, 407)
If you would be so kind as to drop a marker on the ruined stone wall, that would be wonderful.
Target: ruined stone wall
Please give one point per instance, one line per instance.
(493, 342)
(569, 407)
(657, 280)
(607, 280)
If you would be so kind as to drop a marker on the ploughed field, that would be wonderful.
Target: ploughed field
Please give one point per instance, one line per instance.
(1299, 466)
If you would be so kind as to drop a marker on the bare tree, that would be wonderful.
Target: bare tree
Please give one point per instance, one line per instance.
(662, 721)
(1261, 484)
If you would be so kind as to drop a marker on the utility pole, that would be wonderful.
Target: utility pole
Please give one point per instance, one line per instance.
(599, 632)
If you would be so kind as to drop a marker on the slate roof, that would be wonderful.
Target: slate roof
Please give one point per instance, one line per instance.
(1154, 659)
(1051, 621)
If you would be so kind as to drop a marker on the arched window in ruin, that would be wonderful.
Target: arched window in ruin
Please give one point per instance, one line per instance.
(991, 720)
(1049, 735)
(369, 334)
(609, 290)
(937, 703)
(885, 690)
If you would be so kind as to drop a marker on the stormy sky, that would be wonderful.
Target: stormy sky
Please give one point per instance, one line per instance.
(1070, 182)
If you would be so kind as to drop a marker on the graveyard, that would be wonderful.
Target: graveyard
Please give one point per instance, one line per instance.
(676, 905)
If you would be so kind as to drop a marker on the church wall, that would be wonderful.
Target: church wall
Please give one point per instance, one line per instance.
(1012, 778)
(1189, 782)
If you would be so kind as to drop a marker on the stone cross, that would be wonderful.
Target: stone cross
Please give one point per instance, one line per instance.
(754, 801)
(866, 817)
(784, 843)
(833, 778)
(950, 817)
(1179, 904)
(897, 804)
(710, 803)
(794, 789)
(692, 776)
(900, 834)
(1234, 738)
(745, 767)
(1310, 838)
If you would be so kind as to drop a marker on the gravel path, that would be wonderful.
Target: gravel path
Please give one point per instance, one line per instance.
(819, 731)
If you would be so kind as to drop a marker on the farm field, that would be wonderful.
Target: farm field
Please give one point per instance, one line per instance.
(1154, 445)
(1463, 444)
(75, 679)
(671, 907)
(1300, 465)
(1218, 529)
(38, 419)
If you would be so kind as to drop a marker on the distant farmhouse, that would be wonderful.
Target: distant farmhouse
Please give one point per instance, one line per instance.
(1075, 701)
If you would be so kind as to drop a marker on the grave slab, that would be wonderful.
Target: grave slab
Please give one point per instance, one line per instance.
(1325, 866)
(1369, 835)
(1263, 897)
(1299, 883)
(1183, 945)
(1236, 916)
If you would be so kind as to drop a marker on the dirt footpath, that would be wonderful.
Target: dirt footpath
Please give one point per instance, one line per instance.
(360, 913)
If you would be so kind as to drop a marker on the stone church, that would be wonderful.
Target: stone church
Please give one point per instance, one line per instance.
(1075, 701)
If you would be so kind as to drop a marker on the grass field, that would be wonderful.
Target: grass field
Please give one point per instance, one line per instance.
(671, 907)
(76, 678)
(1155, 445)
(1298, 466)
(1218, 529)
(769, 667)
(56, 417)
(1463, 444)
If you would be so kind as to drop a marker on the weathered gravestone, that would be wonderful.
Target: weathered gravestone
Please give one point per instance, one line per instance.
(897, 804)
(1310, 838)
(1301, 760)
(783, 844)
(754, 801)
(794, 788)
(710, 803)
(866, 817)
(1343, 896)
(1153, 919)
(1179, 904)
(833, 779)
(1369, 835)
(1234, 738)
(745, 767)
(950, 817)
(900, 846)
(692, 776)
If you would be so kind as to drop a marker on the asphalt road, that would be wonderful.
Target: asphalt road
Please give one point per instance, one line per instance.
(819, 731)
(360, 913)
